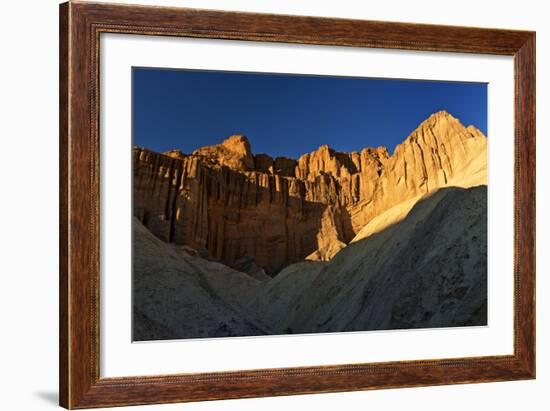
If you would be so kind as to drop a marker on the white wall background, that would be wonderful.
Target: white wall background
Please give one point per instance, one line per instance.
(28, 204)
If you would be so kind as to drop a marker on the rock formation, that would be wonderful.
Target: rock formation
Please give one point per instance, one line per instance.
(179, 294)
(234, 152)
(235, 206)
(427, 270)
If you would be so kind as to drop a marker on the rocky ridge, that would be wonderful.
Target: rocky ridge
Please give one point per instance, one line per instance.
(235, 206)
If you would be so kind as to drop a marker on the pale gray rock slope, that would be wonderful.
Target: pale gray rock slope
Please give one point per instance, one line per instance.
(426, 269)
(178, 294)
(277, 301)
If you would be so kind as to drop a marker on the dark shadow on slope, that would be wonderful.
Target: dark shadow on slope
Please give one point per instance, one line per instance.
(428, 270)
(177, 294)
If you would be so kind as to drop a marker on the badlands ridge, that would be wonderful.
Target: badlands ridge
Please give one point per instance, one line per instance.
(230, 243)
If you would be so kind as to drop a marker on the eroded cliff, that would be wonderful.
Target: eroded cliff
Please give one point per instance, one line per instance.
(232, 205)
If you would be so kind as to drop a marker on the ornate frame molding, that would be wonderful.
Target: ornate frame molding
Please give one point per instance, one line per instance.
(81, 24)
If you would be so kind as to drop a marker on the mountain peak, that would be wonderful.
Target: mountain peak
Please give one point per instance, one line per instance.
(440, 116)
(237, 142)
(440, 128)
(234, 152)
(442, 113)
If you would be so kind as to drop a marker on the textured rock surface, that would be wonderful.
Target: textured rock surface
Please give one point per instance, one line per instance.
(234, 152)
(279, 298)
(178, 294)
(428, 270)
(227, 202)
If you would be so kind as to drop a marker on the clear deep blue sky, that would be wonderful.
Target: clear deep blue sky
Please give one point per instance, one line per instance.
(289, 115)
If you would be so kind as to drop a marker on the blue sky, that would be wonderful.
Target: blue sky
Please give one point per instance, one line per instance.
(289, 115)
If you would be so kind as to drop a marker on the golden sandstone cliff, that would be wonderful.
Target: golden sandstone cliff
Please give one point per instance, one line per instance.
(234, 206)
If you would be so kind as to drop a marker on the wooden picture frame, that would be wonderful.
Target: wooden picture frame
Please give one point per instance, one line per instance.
(80, 27)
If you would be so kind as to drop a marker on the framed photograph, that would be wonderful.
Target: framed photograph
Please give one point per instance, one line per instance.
(257, 205)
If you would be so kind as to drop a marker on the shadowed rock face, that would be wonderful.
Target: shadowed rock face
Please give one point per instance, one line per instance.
(234, 205)
(179, 294)
(426, 269)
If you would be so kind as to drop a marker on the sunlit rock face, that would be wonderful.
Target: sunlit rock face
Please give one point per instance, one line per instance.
(235, 206)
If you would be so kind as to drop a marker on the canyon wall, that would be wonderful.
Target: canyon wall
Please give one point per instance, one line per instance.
(230, 204)
(427, 270)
